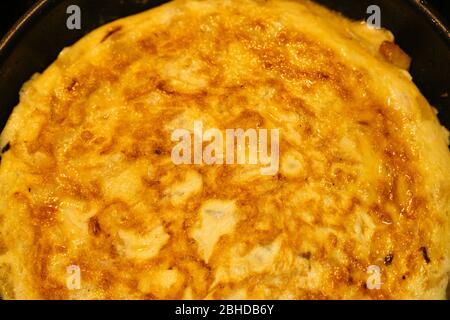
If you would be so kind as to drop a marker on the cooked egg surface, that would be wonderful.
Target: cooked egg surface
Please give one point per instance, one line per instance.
(87, 182)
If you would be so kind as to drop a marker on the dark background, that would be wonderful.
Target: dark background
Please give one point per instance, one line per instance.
(11, 10)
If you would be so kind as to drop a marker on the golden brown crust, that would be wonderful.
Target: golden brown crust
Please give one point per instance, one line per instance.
(88, 181)
(395, 55)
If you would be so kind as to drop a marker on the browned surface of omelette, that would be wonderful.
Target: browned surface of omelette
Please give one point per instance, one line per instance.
(87, 178)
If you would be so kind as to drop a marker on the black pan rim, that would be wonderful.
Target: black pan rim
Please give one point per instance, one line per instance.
(437, 21)
(21, 25)
(7, 42)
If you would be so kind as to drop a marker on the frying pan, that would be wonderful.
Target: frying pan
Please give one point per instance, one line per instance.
(38, 37)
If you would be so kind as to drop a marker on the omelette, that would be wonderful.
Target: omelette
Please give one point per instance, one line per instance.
(92, 205)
